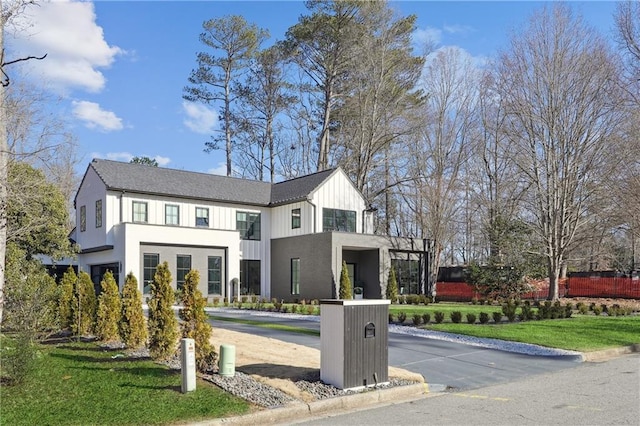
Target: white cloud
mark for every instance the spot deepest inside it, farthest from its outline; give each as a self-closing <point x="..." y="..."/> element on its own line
<point x="457" y="29"/>
<point x="95" y="117"/>
<point x="427" y="36"/>
<point x="74" y="43"/>
<point x="199" y="118"/>
<point x="162" y="161"/>
<point x="220" y="170"/>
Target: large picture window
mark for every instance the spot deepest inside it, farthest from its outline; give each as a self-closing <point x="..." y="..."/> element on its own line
<point x="214" y="275"/>
<point x="183" y="266"/>
<point x="202" y="216"/>
<point x="140" y="212"/>
<point x="98" y="213"/>
<point x="338" y="220"/>
<point x="250" y="277"/>
<point x="249" y="225"/>
<point x="150" y="263"/>
<point x="295" y="276"/>
<point x="171" y="214"/>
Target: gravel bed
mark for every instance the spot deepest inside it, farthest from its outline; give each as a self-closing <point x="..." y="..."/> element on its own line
<point x="246" y="387"/>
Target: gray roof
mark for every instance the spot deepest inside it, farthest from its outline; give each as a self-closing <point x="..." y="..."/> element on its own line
<point x="152" y="180"/>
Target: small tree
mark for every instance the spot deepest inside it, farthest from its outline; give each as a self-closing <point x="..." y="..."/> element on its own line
<point x="133" y="329"/>
<point x="84" y="305"/>
<point x="345" y="283"/>
<point x="65" y="299"/>
<point x="109" y="306"/>
<point x="163" y="325"/>
<point x="392" y="286"/>
<point x="194" y="322"/>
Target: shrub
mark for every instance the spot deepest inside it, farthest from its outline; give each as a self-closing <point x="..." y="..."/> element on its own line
<point x="402" y="317"/>
<point x="65" y="299"/>
<point x="194" y="322"/>
<point x="109" y="309"/>
<point x="424" y="299"/>
<point x="277" y="306"/>
<point x="284" y="309"/>
<point x="163" y="325"/>
<point x="605" y="308"/>
<point x="417" y="319"/>
<point x="392" y="286"/>
<point x="18" y="358"/>
<point x="346" y="292"/>
<point x="438" y="317"/>
<point x="471" y="318"/>
<point x="311" y="309"/>
<point x="456" y="317"/>
<point x="597" y="310"/>
<point x="484" y="317"/>
<point x="84" y="305"/>
<point x="497" y="317"/>
<point x="294" y="308"/>
<point x="568" y="310"/>
<point x="582" y="308"/>
<point x="474" y="300"/>
<point x="426" y="318"/>
<point x="526" y="312"/>
<point x="133" y="329"/>
<point x="509" y="309"/>
<point x="390" y="318"/>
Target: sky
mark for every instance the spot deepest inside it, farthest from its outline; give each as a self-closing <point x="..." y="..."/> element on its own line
<point x="119" y="67"/>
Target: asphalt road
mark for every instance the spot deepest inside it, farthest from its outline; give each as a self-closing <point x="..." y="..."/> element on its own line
<point x="444" y="365"/>
<point x="606" y="393"/>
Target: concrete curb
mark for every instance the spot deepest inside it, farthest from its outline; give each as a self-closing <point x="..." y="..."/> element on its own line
<point x="607" y="354"/>
<point x="300" y="410"/>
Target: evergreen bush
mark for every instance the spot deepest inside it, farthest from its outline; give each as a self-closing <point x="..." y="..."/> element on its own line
<point x="194" y="322"/>
<point x="84" y="305"/>
<point x="65" y="299"/>
<point x="471" y="318"/>
<point x="402" y="317"/>
<point x="345" y="283"/>
<point x="497" y="317"/>
<point x="426" y="318"/>
<point x="484" y="318"/>
<point x="109" y="309"/>
<point x="417" y="319"/>
<point x="438" y="316"/>
<point x="456" y="317"/>
<point x="392" y="286"/>
<point x="162" y="323"/>
<point x="133" y="328"/>
<point x="509" y="309"/>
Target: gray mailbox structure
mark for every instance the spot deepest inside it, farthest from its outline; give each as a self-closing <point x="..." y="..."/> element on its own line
<point x="354" y="342"/>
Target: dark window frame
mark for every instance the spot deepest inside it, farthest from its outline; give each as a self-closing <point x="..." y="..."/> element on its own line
<point x="249" y="226"/>
<point x="169" y="216"/>
<point x="338" y="220"/>
<point x="295" y="276"/>
<point x="148" y="271"/>
<point x="99" y="213"/>
<point x="83" y="218"/>
<point x="181" y="269"/>
<point x="214" y="275"/>
<point x="202" y="220"/>
<point x="295" y="218"/>
<point x="136" y="214"/>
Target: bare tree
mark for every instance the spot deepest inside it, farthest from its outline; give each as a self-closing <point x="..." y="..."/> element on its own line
<point x="559" y="83"/>
<point x="440" y="152"/>
<point x="236" y="41"/>
<point x="627" y="19"/>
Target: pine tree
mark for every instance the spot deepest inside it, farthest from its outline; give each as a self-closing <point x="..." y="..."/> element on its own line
<point x="345" y="283"/>
<point x="194" y="322"/>
<point x="65" y="299"/>
<point x="109" y="307"/>
<point x="84" y="305"/>
<point x="392" y="286"/>
<point x="133" y="329"/>
<point x="163" y="325"/>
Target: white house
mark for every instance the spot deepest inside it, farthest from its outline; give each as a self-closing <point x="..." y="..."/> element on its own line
<point x="285" y="240"/>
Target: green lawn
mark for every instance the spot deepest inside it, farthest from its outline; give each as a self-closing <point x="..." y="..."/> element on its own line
<point x="447" y="308"/>
<point x="82" y="384"/>
<point x="582" y="333"/>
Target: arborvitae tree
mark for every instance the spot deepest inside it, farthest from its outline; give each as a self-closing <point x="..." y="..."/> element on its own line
<point x="346" y="291"/>
<point x="392" y="286"/>
<point x="65" y="299"/>
<point x="84" y="305"/>
<point x="163" y="325"/>
<point x="109" y="307"/>
<point x="133" y="329"/>
<point x="194" y="322"/>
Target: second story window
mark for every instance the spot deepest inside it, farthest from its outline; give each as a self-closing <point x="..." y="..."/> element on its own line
<point x="295" y="218"/>
<point x="171" y="214"/>
<point x="140" y="212"/>
<point x="83" y="218"/>
<point x="202" y="216"/>
<point x="249" y="225"/>
<point x="98" y="213"/>
<point x="338" y="220"/>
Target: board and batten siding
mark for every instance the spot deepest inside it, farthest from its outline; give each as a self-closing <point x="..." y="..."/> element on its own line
<point x="338" y="192"/>
<point x="281" y="220"/>
<point x="92" y="189"/>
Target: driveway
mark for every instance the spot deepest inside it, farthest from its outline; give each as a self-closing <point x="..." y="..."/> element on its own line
<point x="445" y="365"/>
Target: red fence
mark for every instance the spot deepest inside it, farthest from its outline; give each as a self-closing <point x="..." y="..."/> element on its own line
<point x="628" y="288"/>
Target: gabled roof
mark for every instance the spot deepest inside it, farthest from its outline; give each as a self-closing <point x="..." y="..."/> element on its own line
<point x="150" y="180"/>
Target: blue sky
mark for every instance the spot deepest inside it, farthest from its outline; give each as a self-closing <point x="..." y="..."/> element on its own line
<point x="120" y="66"/>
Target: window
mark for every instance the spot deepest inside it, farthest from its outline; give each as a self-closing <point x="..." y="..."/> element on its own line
<point x="140" y="212"/>
<point x="250" y="277"/>
<point x="83" y="218"/>
<point x="249" y="225"/>
<point x="295" y="218"/>
<point x="338" y="220"/>
<point x="214" y="275"/>
<point x="149" y="264"/>
<point x="98" y="213"/>
<point x="295" y="276"/>
<point x="202" y="216"/>
<point x="183" y="266"/>
<point x="171" y="214"/>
